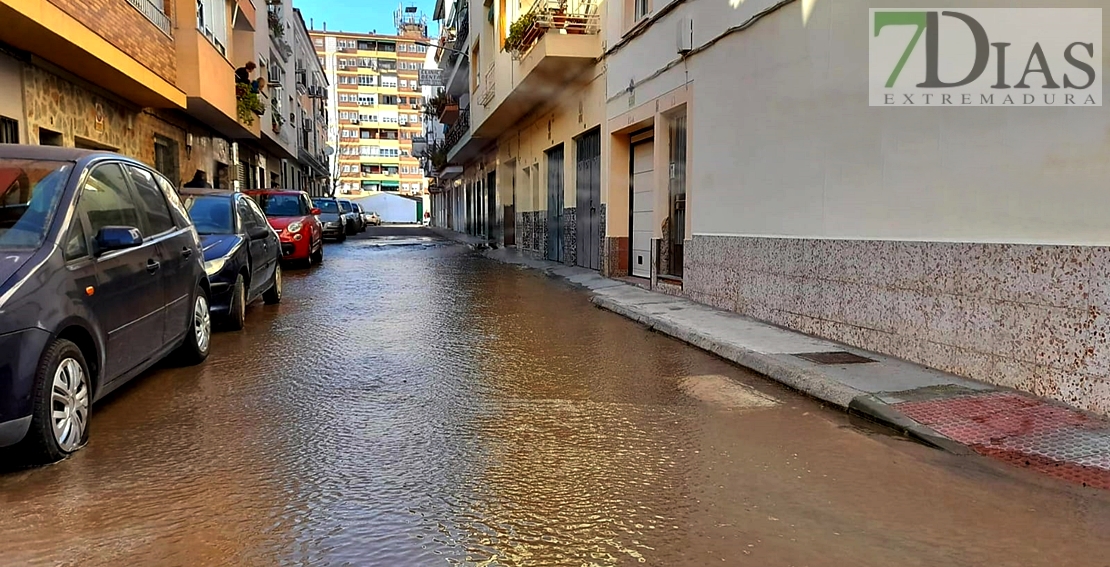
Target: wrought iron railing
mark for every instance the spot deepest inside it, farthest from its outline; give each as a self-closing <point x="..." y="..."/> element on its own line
<point x="462" y="33"/>
<point x="458" y="129"/>
<point x="154" y="14"/>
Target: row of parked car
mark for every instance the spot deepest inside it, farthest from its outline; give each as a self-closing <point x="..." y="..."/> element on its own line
<point x="106" y="268"/>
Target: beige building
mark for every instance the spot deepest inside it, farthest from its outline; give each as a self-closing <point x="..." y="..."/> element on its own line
<point x="526" y="126"/>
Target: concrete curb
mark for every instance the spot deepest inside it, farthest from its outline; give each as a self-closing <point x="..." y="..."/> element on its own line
<point x="876" y="410"/>
<point x="795" y="376"/>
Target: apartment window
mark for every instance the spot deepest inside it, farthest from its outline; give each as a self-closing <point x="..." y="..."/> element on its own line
<point x="366" y="80"/>
<point x="9" y="131"/>
<point x="475" y="72"/>
<point x="319" y="42"/>
<point x="212" y="22"/>
<point x="640" y="9"/>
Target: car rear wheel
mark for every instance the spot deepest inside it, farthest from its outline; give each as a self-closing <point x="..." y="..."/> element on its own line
<point x="199" y="337"/>
<point x="237" y="311"/>
<point x="273" y="295"/>
<point x="62" y="403"/>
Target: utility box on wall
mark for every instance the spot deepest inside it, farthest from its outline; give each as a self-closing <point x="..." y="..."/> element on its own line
<point x="685" y="42"/>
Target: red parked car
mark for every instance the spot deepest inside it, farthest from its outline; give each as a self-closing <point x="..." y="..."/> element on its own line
<point x="292" y="215"/>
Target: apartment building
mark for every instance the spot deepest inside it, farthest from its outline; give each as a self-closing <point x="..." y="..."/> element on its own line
<point x="375" y="106"/>
<point x="152" y="79"/>
<point x="310" y="113"/>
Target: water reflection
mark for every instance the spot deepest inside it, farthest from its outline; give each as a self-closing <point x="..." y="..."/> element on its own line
<point x="422" y="406"/>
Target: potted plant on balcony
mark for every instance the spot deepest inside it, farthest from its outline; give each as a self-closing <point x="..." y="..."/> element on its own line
<point x="247" y="104"/>
<point x="434" y="107"/>
<point x="519" y="31"/>
<point x="436" y="154"/>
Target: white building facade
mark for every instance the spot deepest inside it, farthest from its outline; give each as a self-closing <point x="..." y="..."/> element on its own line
<point x="749" y="172"/>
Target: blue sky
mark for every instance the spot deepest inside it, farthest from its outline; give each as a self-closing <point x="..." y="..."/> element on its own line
<point x="361" y="16"/>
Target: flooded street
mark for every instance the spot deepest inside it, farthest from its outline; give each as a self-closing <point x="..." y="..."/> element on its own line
<point x="410" y="403"/>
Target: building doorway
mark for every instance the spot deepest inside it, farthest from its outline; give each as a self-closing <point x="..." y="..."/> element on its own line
<point x="510" y="208"/>
<point x="555" y="204"/>
<point x="642" y="209"/>
<point x="491" y="205"/>
<point x="588" y="202"/>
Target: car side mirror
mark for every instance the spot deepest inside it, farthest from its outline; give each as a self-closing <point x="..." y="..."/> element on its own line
<point x="259" y="232"/>
<point x="315" y="211"/>
<point x="117" y="238"/>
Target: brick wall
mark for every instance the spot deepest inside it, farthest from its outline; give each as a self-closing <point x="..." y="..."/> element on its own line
<point x="123" y="26"/>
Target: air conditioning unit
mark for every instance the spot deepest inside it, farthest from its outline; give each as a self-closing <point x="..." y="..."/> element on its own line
<point x="307" y="124"/>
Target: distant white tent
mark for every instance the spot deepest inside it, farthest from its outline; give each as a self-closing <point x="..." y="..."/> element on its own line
<point x="393" y="208"/>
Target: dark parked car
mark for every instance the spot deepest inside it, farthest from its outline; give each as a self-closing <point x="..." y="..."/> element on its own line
<point x="291" y="214"/>
<point x="332" y="219"/>
<point x="353" y="220"/>
<point x="242" y="252"/>
<point x="101" y="275"/>
<point x="360" y="217"/>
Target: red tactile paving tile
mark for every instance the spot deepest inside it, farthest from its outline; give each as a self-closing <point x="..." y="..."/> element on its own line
<point x="1066" y="471"/>
<point x="1024" y="431"/>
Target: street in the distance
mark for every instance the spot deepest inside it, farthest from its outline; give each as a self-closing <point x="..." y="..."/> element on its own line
<point x="390" y="411"/>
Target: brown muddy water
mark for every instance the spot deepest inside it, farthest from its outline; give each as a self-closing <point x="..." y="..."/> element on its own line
<point x="419" y="405"/>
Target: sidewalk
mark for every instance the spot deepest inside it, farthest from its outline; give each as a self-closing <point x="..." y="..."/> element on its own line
<point x="942" y="410"/>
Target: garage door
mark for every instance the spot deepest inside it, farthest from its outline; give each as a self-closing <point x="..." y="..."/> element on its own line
<point x="643" y="183"/>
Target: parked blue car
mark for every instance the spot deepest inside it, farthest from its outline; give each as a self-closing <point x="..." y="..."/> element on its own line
<point x="101" y="276"/>
<point x="242" y="253"/>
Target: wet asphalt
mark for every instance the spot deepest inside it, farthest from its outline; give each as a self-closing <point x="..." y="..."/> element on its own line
<point x="411" y="403"/>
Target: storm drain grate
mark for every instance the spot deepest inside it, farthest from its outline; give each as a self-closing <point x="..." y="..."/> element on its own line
<point x="834" y="357"/>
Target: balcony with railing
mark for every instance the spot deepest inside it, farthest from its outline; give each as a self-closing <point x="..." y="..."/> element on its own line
<point x="553" y="17"/>
<point x="462" y="33"/>
<point x="458" y="130"/>
<point x="553" y="43"/>
<point x="156" y="15"/>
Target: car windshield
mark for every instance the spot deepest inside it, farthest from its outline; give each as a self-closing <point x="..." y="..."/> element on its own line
<point x="326" y="206"/>
<point x="210" y="215"/>
<point x="29" y="194"/>
<point x="345" y="206"/>
<point x="280" y="205"/>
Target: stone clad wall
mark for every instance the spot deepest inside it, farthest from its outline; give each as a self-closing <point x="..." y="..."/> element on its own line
<point x="1031" y="317"/>
<point x="58" y="105"/>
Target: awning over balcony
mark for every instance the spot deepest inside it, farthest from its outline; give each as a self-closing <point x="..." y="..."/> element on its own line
<point x="555" y="61"/>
